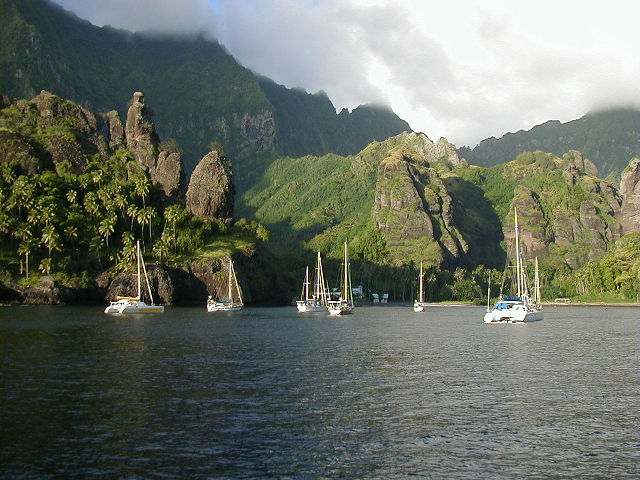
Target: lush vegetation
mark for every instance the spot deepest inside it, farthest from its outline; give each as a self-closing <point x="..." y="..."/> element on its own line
<point x="609" y="138"/>
<point x="72" y="206"/>
<point x="73" y="223"/>
<point x="317" y="203"/>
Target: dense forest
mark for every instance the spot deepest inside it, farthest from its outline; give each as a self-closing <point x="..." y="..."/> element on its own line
<point x="75" y="194"/>
<point x="74" y="202"/>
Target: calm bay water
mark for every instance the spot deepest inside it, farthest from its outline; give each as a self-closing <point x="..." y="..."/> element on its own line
<point x="271" y="393"/>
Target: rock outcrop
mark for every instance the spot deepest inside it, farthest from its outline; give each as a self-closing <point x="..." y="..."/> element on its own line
<point x="210" y="191"/>
<point x="414" y="209"/>
<point x="259" y="132"/>
<point x="116" y="129"/>
<point x="572" y="207"/>
<point x="533" y="226"/>
<point x="441" y="152"/>
<point x="142" y="140"/>
<point x="575" y="159"/>
<point x="169" y="175"/>
<point x="14" y="147"/>
<point x="399" y="208"/>
<point x="165" y="168"/>
<point x="630" y="192"/>
<point x="46" y="112"/>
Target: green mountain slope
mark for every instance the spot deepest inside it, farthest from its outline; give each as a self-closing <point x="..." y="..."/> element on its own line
<point x="308" y="124"/>
<point x="608" y="138"/>
<point x="398" y="202"/>
<point x="199" y="92"/>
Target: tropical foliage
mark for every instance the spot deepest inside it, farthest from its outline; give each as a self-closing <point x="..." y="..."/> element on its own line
<point x="72" y="220"/>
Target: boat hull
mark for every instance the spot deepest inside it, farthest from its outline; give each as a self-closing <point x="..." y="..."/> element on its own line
<point x="213" y="306"/>
<point x="519" y="316"/>
<point x="340" y="309"/>
<point x="130" y="308"/>
<point x="304" y="307"/>
<point x="419" y="307"/>
<point x="223" y="307"/>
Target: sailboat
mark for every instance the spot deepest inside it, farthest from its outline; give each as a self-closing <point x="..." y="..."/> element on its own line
<point x="521" y="308"/>
<point x="230" y="303"/>
<point x="317" y="302"/>
<point x="419" y="304"/>
<point x="344" y="304"/>
<point x="135" y="304"/>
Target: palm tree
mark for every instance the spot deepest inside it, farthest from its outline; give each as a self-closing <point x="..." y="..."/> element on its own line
<point x="147" y="215"/>
<point x="173" y="215"/>
<point x="142" y="187"/>
<point x="45" y="265"/>
<point x="133" y="213"/>
<point x="25" y="248"/>
<point x="161" y="249"/>
<point x="107" y="227"/>
<point x="51" y="239"/>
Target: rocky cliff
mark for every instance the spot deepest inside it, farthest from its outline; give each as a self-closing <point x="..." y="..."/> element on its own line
<point x="563" y="207"/>
<point x="164" y="168"/>
<point x="75" y="187"/>
<point x="630" y="193"/>
<point x="413" y="209"/>
<point x="210" y="192"/>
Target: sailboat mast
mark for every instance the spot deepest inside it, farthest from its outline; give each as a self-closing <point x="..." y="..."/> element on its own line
<point x="322" y="290"/>
<point x="538" y="294"/>
<point x="489" y="293"/>
<point x="518" y="262"/>
<point x="421" y="295"/>
<point x="229" y="282"/>
<point x="316" y="279"/>
<point x="306" y="284"/>
<point x="138" y="260"/>
<point x="146" y="278"/>
<point x="346" y="273"/>
<point x="235" y="280"/>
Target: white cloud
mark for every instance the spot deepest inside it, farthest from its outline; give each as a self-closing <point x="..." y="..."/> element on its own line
<point x="171" y="16"/>
<point x="461" y="69"/>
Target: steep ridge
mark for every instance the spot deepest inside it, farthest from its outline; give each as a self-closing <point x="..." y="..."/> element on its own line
<point x="199" y="92"/>
<point x="416" y="203"/>
<point x="609" y="138"/>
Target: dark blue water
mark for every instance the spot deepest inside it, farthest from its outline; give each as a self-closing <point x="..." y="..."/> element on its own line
<point x="270" y="393"/>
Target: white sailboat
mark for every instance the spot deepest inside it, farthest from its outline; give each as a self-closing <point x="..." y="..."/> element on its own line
<point x="344" y="304"/>
<point x="521" y="308"/>
<point x="230" y="303"/>
<point x="317" y="301"/>
<point x="419" y="304"/>
<point x="135" y="304"/>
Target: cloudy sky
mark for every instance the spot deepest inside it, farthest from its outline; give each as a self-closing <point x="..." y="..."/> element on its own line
<point x="462" y="69"/>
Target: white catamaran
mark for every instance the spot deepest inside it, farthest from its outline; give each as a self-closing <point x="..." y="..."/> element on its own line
<point x="344" y="304"/>
<point x="522" y="307"/>
<point x="135" y="304"/>
<point x="317" y="301"/>
<point x="231" y="302"/>
<point x="419" y="304"/>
